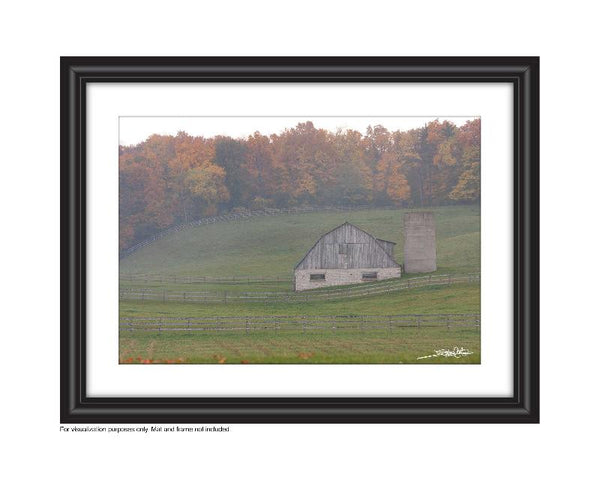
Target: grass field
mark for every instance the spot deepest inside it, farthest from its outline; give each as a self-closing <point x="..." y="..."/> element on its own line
<point x="270" y="247"/>
<point x="405" y="346"/>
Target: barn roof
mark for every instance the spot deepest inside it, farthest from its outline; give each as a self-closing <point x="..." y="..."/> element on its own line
<point x="365" y="251"/>
<point x="382" y="240"/>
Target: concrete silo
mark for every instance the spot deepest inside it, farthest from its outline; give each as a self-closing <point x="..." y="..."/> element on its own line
<point x="419" y="242"/>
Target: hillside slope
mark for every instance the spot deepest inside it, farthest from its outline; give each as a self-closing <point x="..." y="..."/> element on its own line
<point x="271" y="246"/>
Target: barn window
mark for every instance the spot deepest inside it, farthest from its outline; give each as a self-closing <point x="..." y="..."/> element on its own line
<point x="317" y="277"/>
<point x="369" y="276"/>
<point x="343" y="248"/>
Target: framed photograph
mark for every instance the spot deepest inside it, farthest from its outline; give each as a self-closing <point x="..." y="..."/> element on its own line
<point x="299" y="239"/>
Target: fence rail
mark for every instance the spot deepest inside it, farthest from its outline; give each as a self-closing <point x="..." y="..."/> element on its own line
<point x="267" y="212"/>
<point x="190" y="279"/>
<point x="289" y="297"/>
<point x="296" y="323"/>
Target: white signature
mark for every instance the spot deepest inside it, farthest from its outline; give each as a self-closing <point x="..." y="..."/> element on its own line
<point x="456" y="352"/>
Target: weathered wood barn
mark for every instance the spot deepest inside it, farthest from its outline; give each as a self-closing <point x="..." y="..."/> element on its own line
<point x="344" y="256"/>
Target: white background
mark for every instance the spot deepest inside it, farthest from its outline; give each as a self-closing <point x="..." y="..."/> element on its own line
<point x="493" y="102"/>
<point x="35" y="34"/>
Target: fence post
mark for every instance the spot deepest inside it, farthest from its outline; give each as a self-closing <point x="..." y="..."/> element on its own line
<point x="247" y="326"/>
<point x="188" y="327"/>
<point x="448" y="322"/>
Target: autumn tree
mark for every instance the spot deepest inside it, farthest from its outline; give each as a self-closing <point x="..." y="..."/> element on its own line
<point x="192" y="154"/>
<point x="377" y="142"/>
<point x="230" y="155"/>
<point x="351" y="180"/>
<point x="303" y="154"/>
<point x="154" y="187"/>
<point x="468" y="139"/>
<point x="262" y="174"/>
<point x="145" y="189"/>
<point x="206" y="187"/>
<point x="167" y="180"/>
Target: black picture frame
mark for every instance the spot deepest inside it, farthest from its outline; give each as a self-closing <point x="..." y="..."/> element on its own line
<point x="77" y="407"/>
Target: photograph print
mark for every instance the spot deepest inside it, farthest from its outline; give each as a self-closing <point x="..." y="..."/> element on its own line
<point x="299" y="240"/>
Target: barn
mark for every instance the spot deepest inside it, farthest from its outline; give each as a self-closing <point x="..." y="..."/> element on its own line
<point x="344" y="256"/>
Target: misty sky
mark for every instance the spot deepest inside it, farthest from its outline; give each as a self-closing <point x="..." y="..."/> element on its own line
<point x="133" y="130"/>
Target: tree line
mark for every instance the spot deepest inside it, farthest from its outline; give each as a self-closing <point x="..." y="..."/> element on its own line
<point x="167" y="179"/>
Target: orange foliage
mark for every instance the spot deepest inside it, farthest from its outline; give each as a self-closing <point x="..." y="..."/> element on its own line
<point x="167" y="180"/>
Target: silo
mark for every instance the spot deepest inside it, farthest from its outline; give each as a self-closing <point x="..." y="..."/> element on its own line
<point x="419" y="242"/>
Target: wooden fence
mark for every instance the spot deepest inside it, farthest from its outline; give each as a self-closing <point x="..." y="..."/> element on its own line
<point x="164" y="278"/>
<point x="249" y="215"/>
<point x="297" y="323"/>
<point x="351" y="291"/>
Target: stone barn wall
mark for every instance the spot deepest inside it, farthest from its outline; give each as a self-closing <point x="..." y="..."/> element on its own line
<point x="340" y="277"/>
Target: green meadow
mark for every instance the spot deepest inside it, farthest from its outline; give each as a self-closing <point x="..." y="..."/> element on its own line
<point x="270" y="247"/>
